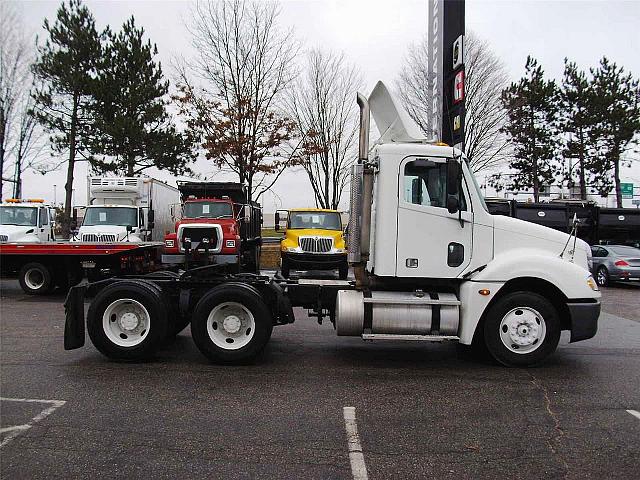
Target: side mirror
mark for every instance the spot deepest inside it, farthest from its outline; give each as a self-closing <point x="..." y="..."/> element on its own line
<point x="277" y="222"/>
<point x="247" y="213"/>
<point x="150" y="217"/>
<point x="129" y="228"/>
<point x="453" y="205"/>
<point x="453" y="176"/>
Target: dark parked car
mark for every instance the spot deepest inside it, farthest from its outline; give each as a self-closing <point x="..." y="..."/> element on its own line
<point x="614" y="263"/>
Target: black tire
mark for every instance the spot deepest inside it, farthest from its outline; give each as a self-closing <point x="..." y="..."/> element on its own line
<point x="150" y="296"/>
<point x="251" y="300"/>
<point x="343" y="271"/>
<point x="602" y="276"/>
<point x="285" y="269"/>
<point x="530" y="305"/>
<point x="36" y="279"/>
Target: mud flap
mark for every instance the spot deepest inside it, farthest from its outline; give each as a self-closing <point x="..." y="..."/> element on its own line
<point x="74" y="321"/>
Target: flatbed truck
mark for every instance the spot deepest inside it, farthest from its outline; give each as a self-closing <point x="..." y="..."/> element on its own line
<point x="41" y="267"/>
<point x="430" y="264"/>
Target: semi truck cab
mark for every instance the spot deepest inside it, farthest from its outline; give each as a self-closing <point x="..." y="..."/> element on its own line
<point x="115" y="223"/>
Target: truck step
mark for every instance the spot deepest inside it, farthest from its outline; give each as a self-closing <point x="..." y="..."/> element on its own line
<point x="409" y="338"/>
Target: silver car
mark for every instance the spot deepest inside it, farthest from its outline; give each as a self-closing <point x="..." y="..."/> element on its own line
<point x="615" y="263"/>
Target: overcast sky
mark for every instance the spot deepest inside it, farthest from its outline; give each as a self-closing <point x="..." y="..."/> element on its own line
<point x="375" y="34"/>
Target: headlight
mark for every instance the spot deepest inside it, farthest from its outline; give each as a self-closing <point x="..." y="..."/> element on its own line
<point x="292" y="249"/>
<point x="230" y="243"/>
<point x="169" y="243"/>
<point x="339" y="250"/>
<point x="592" y="284"/>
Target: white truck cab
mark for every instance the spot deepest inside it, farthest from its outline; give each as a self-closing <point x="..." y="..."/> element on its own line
<point x="431" y="262"/>
<point x="28" y="221"/>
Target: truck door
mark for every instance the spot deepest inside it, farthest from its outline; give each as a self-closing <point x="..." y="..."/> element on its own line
<point x="44" y="230"/>
<point x="431" y="243"/>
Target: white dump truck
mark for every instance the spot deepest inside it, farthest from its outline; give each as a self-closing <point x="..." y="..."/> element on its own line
<point x="127" y="209"/>
<point x="430" y="263"/>
<point x="26" y="221"/>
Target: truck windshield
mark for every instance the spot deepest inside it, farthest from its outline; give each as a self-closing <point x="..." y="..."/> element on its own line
<point x="19" y="216"/>
<point x="208" y="210"/>
<point x="319" y="220"/>
<point x="121" y="216"/>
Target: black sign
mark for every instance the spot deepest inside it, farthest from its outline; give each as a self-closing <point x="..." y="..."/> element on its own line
<point x="453" y="84"/>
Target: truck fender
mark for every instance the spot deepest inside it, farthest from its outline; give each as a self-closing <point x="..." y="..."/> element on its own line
<point x="570" y="279"/>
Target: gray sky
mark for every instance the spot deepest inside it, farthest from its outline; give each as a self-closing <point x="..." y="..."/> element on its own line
<point x="375" y="34"/>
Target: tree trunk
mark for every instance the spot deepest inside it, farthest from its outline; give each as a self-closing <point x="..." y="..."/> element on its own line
<point x="2" y="153"/>
<point x="616" y="174"/>
<point x="583" y="182"/>
<point x="68" y="187"/>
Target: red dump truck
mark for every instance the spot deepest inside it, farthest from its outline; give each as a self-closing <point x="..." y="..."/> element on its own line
<point x="217" y="224"/>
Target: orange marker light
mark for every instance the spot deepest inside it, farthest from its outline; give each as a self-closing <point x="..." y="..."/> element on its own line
<point x="484" y="291"/>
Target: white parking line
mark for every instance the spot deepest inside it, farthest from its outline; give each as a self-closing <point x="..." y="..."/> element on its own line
<point x="15" y="430"/>
<point x="356" y="457"/>
<point x="634" y="413"/>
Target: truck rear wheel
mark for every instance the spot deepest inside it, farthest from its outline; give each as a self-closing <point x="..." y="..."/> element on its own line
<point x="522" y="329"/>
<point x="128" y="320"/>
<point x="231" y="324"/>
<point x="36" y="279"/>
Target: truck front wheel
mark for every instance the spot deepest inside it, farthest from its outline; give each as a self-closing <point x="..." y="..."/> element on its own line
<point x="36" y="279"/>
<point x="521" y="329"/>
<point x="285" y="268"/>
<point x="128" y="320"/>
<point x="231" y="324"/>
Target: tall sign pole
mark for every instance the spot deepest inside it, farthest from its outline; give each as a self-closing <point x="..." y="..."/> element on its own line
<point x="446" y="71"/>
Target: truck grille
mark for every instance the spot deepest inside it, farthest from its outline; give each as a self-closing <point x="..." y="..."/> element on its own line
<point x="92" y="237"/>
<point x="197" y="234"/>
<point x="316" y="244"/>
<point x="4" y="238"/>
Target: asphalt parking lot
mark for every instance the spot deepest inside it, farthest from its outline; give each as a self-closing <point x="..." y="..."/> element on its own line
<point x="420" y="411"/>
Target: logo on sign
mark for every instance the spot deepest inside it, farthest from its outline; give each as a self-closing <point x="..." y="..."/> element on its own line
<point x="458" y="52"/>
<point x="458" y="87"/>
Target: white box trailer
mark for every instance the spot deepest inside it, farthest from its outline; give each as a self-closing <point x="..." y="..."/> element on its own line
<point x="127" y="209"/>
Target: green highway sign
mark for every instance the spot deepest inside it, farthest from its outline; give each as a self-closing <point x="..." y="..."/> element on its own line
<point x="627" y="190"/>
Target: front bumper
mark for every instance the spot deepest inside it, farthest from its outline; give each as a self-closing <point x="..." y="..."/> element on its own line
<point x="584" y="319"/>
<point x="212" y="258"/>
<point x="314" y="261"/>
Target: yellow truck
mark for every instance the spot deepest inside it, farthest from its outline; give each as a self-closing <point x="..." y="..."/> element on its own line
<point x="314" y="240"/>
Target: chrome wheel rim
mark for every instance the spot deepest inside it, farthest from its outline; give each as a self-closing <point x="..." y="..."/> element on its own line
<point x="602" y="277"/>
<point x="231" y="325"/>
<point x="126" y="322"/>
<point x="34" y="278"/>
<point x="522" y="330"/>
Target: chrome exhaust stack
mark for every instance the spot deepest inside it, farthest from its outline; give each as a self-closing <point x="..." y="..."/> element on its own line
<point x="361" y="200"/>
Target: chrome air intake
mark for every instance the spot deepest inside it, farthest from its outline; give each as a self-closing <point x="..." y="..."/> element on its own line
<point x="355" y="214"/>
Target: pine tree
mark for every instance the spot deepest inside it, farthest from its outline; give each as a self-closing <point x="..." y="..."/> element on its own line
<point x="577" y="123"/>
<point x="66" y="66"/>
<point x="617" y="117"/>
<point x="532" y="108"/>
<point x="133" y="130"/>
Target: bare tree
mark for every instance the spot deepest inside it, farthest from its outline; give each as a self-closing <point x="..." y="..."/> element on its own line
<point x="485" y="77"/>
<point x="14" y="69"/>
<point x="20" y="134"/>
<point x="230" y="93"/>
<point x="320" y="103"/>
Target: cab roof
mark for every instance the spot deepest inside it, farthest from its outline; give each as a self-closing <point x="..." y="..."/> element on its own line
<point x="313" y="210"/>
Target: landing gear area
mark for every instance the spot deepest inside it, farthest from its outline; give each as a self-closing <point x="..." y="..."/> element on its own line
<point x="308" y="396"/>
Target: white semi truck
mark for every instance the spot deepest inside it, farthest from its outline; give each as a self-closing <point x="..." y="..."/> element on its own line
<point x="430" y="264"/>
<point x="127" y="209"/>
